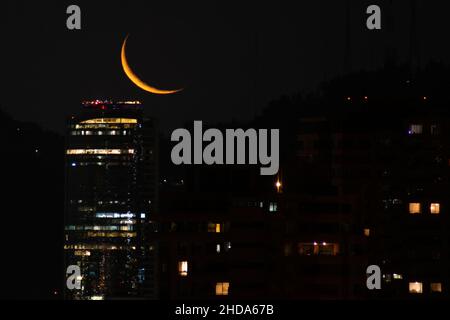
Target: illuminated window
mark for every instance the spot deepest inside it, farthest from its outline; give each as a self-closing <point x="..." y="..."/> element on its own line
<point x="214" y="227"/>
<point x="415" y="287"/>
<point x="414" y="208"/>
<point x="222" y="288"/>
<point x="273" y="207"/>
<point x="183" y="268"/>
<point x="367" y="232"/>
<point x="435" y="208"/>
<point x="436" y="287"/>
<point x="110" y="120"/>
<point x="325" y="249"/>
<point x="397" y="276"/>
<point x="218" y="248"/>
<point x="99" y="151"/>
<point x="111" y="234"/>
<point x="415" y="129"/>
<point x="82" y="253"/>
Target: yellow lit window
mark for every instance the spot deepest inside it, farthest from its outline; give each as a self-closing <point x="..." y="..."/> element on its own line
<point x="222" y="288"/>
<point x="436" y="287"/>
<point x="82" y="253"/>
<point x="435" y="208"/>
<point x="183" y="268"/>
<point x="414" y="208"/>
<point x="214" y="227"/>
<point x="415" y="287"/>
<point x="110" y="120"/>
<point x="367" y="232"/>
<point x="315" y="248"/>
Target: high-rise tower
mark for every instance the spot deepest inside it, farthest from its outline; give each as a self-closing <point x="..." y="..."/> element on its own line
<point x="111" y="193"/>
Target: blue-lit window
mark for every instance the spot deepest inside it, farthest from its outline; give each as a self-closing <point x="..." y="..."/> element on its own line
<point x="273" y="207"/>
<point x="141" y="275"/>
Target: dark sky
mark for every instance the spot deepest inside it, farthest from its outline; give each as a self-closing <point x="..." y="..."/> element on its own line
<point x="231" y="58"/>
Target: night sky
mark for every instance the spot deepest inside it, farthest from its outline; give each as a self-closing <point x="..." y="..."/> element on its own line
<point x="230" y="58"/>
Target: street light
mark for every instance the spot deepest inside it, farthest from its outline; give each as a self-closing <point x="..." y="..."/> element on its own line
<point x="278" y="186"/>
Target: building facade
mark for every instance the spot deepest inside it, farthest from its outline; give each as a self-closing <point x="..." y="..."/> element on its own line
<point x="111" y="194"/>
<point x="411" y="229"/>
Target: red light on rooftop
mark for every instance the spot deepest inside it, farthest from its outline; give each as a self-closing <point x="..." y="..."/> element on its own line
<point x="365" y="97"/>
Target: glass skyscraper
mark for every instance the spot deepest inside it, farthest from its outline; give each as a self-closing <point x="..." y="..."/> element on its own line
<point x="111" y="193"/>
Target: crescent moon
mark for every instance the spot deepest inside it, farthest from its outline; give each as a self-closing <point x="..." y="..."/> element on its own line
<point x="135" y="79"/>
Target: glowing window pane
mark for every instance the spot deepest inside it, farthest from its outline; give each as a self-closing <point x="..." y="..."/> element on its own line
<point x="273" y="207"/>
<point x="414" y="208"/>
<point x="415" y="287"/>
<point x="110" y="120"/>
<point x="435" y="208"/>
<point x="436" y="287"/>
<point x="222" y="288"/>
<point x="214" y="227"/>
<point x="415" y="129"/>
<point x="183" y="268"/>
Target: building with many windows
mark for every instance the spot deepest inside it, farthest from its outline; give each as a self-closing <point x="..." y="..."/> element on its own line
<point x="111" y="194"/>
<point x="411" y="229"/>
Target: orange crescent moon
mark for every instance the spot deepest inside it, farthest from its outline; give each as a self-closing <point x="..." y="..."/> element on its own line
<point x="135" y="79"/>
